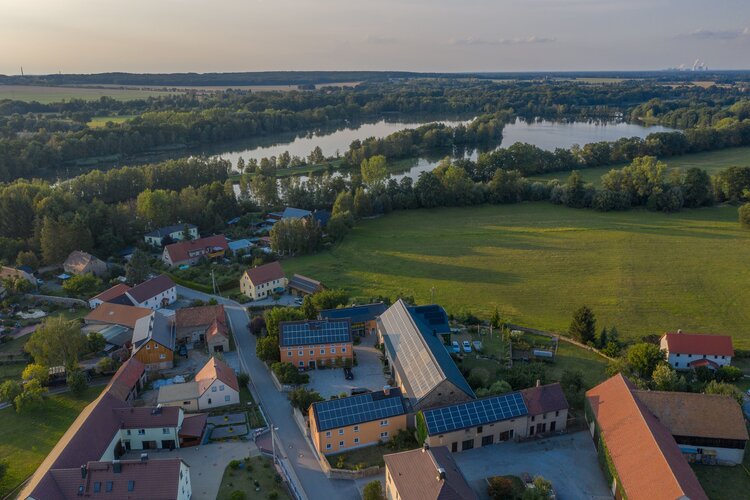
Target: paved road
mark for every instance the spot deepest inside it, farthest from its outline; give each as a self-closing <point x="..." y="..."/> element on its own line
<point x="278" y="411"/>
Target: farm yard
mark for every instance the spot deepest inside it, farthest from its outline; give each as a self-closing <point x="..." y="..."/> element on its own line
<point x="640" y="271"/>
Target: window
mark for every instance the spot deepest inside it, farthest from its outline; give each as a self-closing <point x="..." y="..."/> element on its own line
<point x="141" y="432"/>
<point x="384" y="434"/>
<point x="533" y="418"/>
<point x="356" y="428"/>
<point x="328" y="434"/>
<point x="108" y="486"/>
<point x="165" y="430"/>
<point x="289" y="353"/>
<point x="156" y="346"/>
<point x="341" y="444"/>
<point x="677" y="355"/>
<point x="148" y="347"/>
<point x="128" y="432"/>
<point x="677" y="364"/>
<point x="214" y="389"/>
<point x="557" y="413"/>
<point x="312" y="353"/>
<point x="162" y="356"/>
<point x="356" y="440"/>
<point x="97" y="487"/>
<point x="131" y="485"/>
<point x="333" y="350"/>
<point x="383" y="423"/>
<point x="322" y="351"/>
<point x="690" y="355"/>
<point x="186" y="403"/>
<point x="343" y="349"/>
<point x="723" y="357"/>
<point x="328" y="446"/>
<point x="302" y="363"/>
<point x="488" y="440"/>
<point x="300" y="353"/>
<point x="227" y="398"/>
<point x="454" y="447"/>
<point x="341" y="432"/>
<point x="467" y="445"/>
<point x="221" y="387"/>
<point x="479" y="429"/>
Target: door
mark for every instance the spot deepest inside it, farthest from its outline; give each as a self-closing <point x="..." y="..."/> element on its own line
<point x="552" y="426"/>
<point x="454" y="447"/>
<point x="311" y="365"/>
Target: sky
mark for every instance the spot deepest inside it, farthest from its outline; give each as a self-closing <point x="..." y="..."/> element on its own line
<point x="150" y="36"/>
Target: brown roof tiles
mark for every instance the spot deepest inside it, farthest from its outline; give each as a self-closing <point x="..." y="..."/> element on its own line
<point x="265" y="273"/>
<point x="695" y="343"/>
<point x="416" y="475"/>
<point x="117" y="314"/>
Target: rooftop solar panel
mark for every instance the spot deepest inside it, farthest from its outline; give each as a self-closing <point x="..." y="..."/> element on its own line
<point x="358" y="409"/>
<point x="315" y="332"/>
<point x="474" y="413"/>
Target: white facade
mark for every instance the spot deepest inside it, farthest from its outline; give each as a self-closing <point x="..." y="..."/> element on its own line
<point x="681" y="360"/>
<point x="261" y="290"/>
<point x="166" y="297"/>
<point x="217" y="395"/>
<point x="174" y="235"/>
<point x="184" y="488"/>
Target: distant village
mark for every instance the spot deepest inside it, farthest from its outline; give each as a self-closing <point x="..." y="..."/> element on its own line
<point x="382" y="395"/>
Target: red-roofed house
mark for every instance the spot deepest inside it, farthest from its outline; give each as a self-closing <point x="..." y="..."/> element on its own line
<point x="262" y="281"/>
<point x="114" y="294"/>
<point x="155" y="293"/>
<point x="203" y="324"/>
<point x="189" y="252"/>
<point x="646" y="462"/>
<point x="215" y="385"/>
<point x="692" y="350"/>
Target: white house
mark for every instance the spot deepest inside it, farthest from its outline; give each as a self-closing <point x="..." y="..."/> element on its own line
<point x="215" y="385"/>
<point x="687" y="351"/>
<point x="175" y="233"/>
<point x="154" y="294"/>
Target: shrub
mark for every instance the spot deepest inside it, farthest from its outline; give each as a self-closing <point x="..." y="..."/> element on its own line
<point x="500" y="488"/>
<point x="77" y="381"/>
<point x="234" y="464"/>
<point x="728" y="374"/>
<point x="288" y="373"/>
<point x="373" y="491"/>
<point x="237" y="495"/>
<point x="243" y="379"/>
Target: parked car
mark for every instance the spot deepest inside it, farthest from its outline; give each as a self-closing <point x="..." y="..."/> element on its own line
<point x="348" y="375"/>
<point x="477" y="345"/>
<point x="467" y="346"/>
<point x="456" y="347"/>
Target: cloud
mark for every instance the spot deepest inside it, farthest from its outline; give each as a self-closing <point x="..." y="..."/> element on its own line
<point x="380" y="40"/>
<point x="502" y="41"/>
<point x="704" y="34"/>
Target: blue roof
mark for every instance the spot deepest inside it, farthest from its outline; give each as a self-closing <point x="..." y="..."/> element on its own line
<point x="295" y="213"/>
<point x="296" y="333"/>
<point x="354" y="410"/>
<point x="239" y="245"/>
<point x="357" y="314"/>
<point x="473" y="413"/>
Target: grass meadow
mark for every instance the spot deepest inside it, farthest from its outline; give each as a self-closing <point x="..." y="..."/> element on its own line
<point x="46" y="95"/>
<point x="640" y="271"/>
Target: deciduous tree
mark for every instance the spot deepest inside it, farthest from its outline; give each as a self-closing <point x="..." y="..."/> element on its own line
<point x="57" y="342"/>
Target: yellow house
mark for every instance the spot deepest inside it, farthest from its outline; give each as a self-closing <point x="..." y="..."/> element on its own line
<point x="262" y="281"/>
<point x="343" y="424"/>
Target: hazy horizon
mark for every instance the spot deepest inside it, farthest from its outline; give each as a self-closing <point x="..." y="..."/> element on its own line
<point x="171" y="36"/>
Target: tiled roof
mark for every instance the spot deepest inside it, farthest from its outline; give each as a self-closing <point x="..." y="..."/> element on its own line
<point x="416" y="475"/>
<point x="544" y="399"/>
<point x="166" y="231"/>
<point x="648" y="461"/>
<point x="217" y="329"/>
<point x="265" y="273"/>
<point x="696" y="343"/>
<point x="145" y="417"/>
<point x="695" y="414"/>
<point x="178" y="392"/>
<point x="151" y="288"/>
<point x="309" y="332"/>
<point x="216" y="369"/>
<point x="188" y="249"/>
<point x="357" y="314"/>
<point x="354" y="410"/>
<point x="415" y="346"/>
<point x="155" y="327"/>
<point x="126" y="378"/>
<point x="117" y="314"/>
<point x="194" y="425"/>
<point x="199" y="316"/>
<point x="305" y="284"/>
<point x="78" y="260"/>
<point x="112" y="293"/>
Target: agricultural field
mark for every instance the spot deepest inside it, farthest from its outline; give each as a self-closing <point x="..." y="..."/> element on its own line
<point x="712" y="162"/>
<point x="640" y="271"/>
<point x="46" y="95"/>
<point x="101" y="121"/>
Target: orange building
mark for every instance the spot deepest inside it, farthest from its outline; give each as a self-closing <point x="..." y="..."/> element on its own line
<point x="309" y="343"/>
<point x="343" y="424"/>
<point x="154" y="341"/>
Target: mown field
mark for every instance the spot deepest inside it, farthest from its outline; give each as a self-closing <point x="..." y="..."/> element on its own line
<point x="643" y="272"/>
<point x="712" y="162"/>
<point x="46" y="95"/>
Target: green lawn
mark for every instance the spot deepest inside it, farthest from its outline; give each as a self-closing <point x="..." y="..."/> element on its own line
<point x="724" y="483"/>
<point x="46" y="95"/>
<point x="256" y="469"/>
<point x="641" y="271"/>
<point x="25" y="439"/>
<point x="11" y="371"/>
<point x="712" y="162"/>
<point x="101" y="121"/>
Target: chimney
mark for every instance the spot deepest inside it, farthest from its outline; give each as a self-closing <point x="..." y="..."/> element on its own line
<point x="538" y="382"/>
<point x="144" y="457"/>
<point x="441" y="474"/>
<point x="425" y="447"/>
<point x="387" y="390"/>
<point x="116" y="466"/>
<point x="83" y="472"/>
<point x="679" y="331"/>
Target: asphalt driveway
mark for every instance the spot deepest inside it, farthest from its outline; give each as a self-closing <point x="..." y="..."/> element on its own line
<point x="569" y="461"/>
<point x="368" y="373"/>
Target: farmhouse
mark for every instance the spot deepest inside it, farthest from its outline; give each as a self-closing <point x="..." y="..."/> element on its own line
<point x="692" y="350"/>
<point x="429" y="473"/>
<point x="643" y="459"/>
<point x="204" y="324"/>
<point x="301" y="286"/>
<point x="13" y="273"/>
<point x="115" y="295"/>
<point x="343" y="424"/>
<point x="155" y="293"/>
<point x="79" y="262"/>
<point x="261" y="281"/>
<point x="363" y="318"/>
<point x="215" y="385"/>
<point x="190" y="252"/>
<point x="420" y="363"/>
<point x="483" y="422"/>
<point x="309" y="343"/>
<point x="154" y="342"/>
<point x="172" y="233"/>
<point x="116" y="314"/>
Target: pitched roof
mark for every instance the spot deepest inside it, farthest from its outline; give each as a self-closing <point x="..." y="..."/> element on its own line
<point x="148" y="418"/>
<point x="217" y="329"/>
<point x="78" y="260"/>
<point x="697" y="343"/>
<point x="126" y="378"/>
<point x="194" y="425"/>
<point x="157" y="479"/>
<point x="188" y="249"/>
<point x="112" y="293"/>
<point x="265" y="273"/>
<point x="215" y="369"/>
<point x="151" y="288"/>
<point x="411" y="337"/>
<point x="309" y="332"/>
<point x="357" y="314"/>
<point x="305" y="284"/>
<point x="199" y="316"/>
<point x="473" y="413"/>
<point x="167" y="230"/>
<point x="295" y="213"/>
<point x="354" y="410"/>
<point x="698" y="415"/>
<point x="239" y="244"/>
<point x="416" y="475"/>
<point x="155" y="327"/>
<point x="544" y="399"/>
<point x="117" y="314"/>
<point x="647" y="459"/>
<point x="178" y="392"/>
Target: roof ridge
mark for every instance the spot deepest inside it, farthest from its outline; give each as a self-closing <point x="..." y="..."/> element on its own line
<point x="422" y="339"/>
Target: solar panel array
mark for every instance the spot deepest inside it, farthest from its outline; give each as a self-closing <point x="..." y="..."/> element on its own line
<point x="420" y="368"/>
<point x="433" y="315"/>
<point x="474" y="413"/>
<point x="331" y="331"/>
<point x="356" y="410"/>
